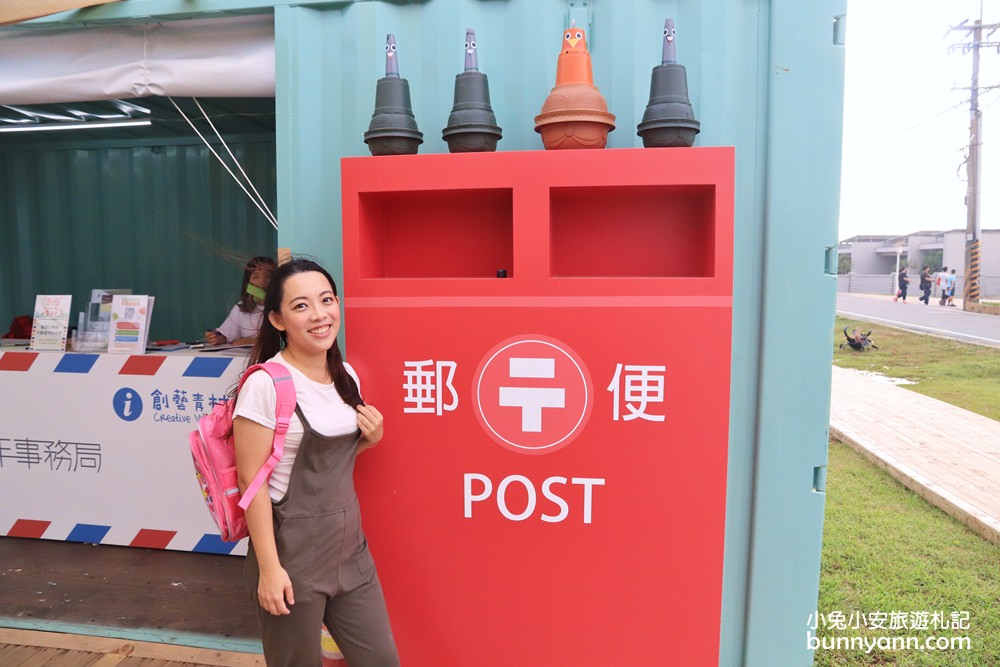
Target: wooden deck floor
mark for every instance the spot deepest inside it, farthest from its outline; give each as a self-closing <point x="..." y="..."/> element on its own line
<point x="948" y="455"/>
<point x="28" y="648"/>
<point x="70" y="604"/>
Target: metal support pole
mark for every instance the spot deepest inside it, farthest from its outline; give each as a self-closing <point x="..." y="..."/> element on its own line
<point x="970" y="292"/>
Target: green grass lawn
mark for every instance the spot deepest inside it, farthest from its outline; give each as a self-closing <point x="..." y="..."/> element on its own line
<point x="887" y="550"/>
<point x="958" y="373"/>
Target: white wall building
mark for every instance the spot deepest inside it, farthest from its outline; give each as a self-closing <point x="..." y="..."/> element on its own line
<point x="874" y="260"/>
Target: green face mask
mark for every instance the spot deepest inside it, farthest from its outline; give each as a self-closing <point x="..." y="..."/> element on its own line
<point x="255" y="291"/>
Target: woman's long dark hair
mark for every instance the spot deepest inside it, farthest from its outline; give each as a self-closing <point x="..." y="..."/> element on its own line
<point x="270" y="341"/>
<point x="247" y="303"/>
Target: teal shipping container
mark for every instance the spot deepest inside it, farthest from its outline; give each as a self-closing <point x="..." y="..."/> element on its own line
<point x="764" y="76"/>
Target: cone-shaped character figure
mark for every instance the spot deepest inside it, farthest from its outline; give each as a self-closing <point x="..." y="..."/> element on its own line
<point x="669" y="47"/>
<point x="393" y="129"/>
<point x="471" y="57"/>
<point x="575" y="114"/>
<point x="573" y="64"/>
<point x="669" y="119"/>
<point x="391" y="64"/>
<point x="472" y="127"/>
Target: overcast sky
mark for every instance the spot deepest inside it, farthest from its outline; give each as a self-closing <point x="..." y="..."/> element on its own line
<point x="906" y="123"/>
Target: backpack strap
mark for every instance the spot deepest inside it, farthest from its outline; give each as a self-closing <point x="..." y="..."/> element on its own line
<point x="284" y="407"/>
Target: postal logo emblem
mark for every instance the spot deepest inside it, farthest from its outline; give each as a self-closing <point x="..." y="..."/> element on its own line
<point x="532" y="394"/>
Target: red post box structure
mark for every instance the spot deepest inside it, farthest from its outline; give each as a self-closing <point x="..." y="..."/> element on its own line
<point x="548" y="335"/>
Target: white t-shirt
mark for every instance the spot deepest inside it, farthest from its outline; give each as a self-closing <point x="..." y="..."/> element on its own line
<point x="240" y="324"/>
<point x="320" y="403"/>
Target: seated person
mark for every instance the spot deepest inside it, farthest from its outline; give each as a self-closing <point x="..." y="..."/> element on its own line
<point x="240" y="328"/>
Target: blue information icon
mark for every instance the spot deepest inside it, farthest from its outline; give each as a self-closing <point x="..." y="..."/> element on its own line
<point x="127" y="404"/>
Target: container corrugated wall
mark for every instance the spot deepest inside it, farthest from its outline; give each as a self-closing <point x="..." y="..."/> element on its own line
<point x="162" y="220"/>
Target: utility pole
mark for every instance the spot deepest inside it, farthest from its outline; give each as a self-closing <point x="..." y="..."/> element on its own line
<point x="970" y="292"/>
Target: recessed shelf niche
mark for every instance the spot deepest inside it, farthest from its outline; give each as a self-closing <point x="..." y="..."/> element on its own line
<point x="436" y="233"/>
<point x="659" y="231"/>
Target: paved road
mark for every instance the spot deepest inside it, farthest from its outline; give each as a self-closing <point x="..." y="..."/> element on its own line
<point x="915" y="316"/>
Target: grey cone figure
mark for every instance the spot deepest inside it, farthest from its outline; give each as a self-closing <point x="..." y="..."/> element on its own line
<point x="472" y="127"/>
<point x="669" y="119"/>
<point x="393" y="129"/>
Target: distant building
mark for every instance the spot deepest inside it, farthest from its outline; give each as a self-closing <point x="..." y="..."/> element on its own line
<point x="873" y="259"/>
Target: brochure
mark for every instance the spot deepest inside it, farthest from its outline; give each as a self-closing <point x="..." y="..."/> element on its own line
<point x="130" y="317"/>
<point x="51" y="322"/>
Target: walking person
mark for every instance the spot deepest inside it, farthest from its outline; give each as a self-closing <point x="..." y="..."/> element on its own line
<point x="308" y="563"/>
<point x="902" y="280"/>
<point x="951" y="288"/>
<point x="926" y="285"/>
<point x="942" y="284"/>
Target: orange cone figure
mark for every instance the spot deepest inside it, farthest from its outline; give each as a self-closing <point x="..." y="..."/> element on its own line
<point x="575" y="114"/>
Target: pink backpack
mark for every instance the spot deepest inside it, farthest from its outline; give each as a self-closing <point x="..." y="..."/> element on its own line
<point x="215" y="455"/>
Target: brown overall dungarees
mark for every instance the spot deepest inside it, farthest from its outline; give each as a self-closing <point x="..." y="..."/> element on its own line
<point x="317" y="527"/>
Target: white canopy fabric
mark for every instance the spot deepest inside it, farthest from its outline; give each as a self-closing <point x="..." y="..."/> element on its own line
<point x="220" y="57"/>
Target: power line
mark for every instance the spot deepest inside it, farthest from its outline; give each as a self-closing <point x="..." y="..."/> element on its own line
<point x="976" y="26"/>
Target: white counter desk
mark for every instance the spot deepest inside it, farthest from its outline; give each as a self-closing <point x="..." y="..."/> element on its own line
<point x="94" y="447"/>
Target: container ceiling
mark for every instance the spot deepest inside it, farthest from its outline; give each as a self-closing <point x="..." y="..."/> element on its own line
<point x="91" y="121"/>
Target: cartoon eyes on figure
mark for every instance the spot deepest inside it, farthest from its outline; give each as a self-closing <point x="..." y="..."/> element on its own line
<point x="669" y="33"/>
<point x="579" y="35"/>
<point x="390" y="47"/>
<point x="470" y="45"/>
<point x="568" y="35"/>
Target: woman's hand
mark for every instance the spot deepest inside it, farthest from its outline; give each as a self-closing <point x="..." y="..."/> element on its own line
<point x="214" y="338"/>
<point x="370" y="423"/>
<point x="274" y="588"/>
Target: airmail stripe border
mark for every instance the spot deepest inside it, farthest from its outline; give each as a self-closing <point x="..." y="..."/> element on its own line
<point x="76" y="363"/>
<point x="28" y="528"/>
<point x="17" y="361"/>
<point x="89" y="533"/>
<point x="207" y="367"/>
<point x="152" y="539"/>
<point x="139" y="364"/>
<point x="146" y="538"/>
<point x="213" y="544"/>
<point x="142" y="365"/>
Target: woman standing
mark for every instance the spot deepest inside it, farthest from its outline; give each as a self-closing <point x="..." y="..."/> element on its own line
<point x="308" y="561"/>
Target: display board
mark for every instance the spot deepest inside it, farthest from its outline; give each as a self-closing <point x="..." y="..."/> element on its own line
<point x="548" y="336"/>
<point x="94" y="447"/>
